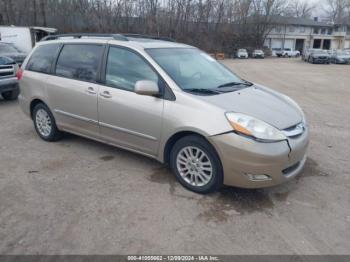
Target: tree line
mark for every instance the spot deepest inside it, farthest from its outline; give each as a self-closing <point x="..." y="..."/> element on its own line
<point x="213" y="25"/>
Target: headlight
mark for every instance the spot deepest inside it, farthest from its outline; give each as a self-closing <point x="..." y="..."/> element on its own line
<point x="254" y="128"/>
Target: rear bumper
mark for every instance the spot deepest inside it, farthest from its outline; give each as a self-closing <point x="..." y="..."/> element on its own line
<point x="242" y="157"/>
<point x="8" y="84"/>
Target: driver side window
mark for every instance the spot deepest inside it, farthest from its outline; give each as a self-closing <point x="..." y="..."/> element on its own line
<point x="125" y="68"/>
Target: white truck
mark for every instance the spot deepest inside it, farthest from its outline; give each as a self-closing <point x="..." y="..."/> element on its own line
<point x="24" y="38"/>
<point x="287" y="52"/>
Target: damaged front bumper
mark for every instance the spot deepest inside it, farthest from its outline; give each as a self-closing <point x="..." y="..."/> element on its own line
<point x="251" y="164"/>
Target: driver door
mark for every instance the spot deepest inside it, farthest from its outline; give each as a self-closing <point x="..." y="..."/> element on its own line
<point x="127" y="119"/>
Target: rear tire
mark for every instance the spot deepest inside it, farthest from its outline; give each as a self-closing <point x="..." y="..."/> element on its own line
<point x="196" y="164"/>
<point x="45" y="124"/>
<point x="10" y="95"/>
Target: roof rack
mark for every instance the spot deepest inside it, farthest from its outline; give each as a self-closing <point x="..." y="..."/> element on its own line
<point x="163" y="38"/>
<point x="80" y="35"/>
<point x="120" y="37"/>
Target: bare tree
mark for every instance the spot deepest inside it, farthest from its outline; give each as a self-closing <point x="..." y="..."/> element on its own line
<point x="338" y="10"/>
<point x="300" y="8"/>
<point x="213" y="25"/>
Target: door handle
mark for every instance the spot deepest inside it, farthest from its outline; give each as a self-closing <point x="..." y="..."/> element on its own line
<point x="106" y="94"/>
<point x="91" y="91"/>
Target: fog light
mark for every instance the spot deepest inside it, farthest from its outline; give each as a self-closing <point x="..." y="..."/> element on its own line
<point x="258" y="177"/>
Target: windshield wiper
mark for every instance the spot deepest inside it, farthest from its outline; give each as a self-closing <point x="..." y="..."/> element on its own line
<point x="203" y="90"/>
<point x="235" y="84"/>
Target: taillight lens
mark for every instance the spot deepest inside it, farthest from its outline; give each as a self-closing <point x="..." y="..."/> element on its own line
<point x="19" y="73"/>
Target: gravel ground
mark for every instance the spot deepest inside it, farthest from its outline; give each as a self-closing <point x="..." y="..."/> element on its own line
<point x="81" y="197"/>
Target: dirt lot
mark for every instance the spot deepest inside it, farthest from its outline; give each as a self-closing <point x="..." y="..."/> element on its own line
<point x="82" y="197"/>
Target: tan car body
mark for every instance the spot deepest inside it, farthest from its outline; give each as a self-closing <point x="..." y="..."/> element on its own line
<point x="149" y="125"/>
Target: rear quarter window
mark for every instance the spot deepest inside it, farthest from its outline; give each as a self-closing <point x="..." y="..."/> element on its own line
<point x="42" y="58"/>
<point x="79" y="61"/>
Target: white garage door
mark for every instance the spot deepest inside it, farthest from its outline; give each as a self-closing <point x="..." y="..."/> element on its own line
<point x="347" y="44"/>
<point x="289" y="43"/>
<point x="276" y="43"/>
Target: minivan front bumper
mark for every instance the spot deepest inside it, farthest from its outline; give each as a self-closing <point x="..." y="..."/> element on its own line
<point x="251" y="164"/>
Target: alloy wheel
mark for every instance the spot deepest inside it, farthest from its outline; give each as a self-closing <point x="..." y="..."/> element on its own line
<point x="43" y="122"/>
<point x="194" y="166"/>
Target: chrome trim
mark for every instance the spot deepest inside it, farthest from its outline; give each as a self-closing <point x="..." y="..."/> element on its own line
<point x="7" y="69"/>
<point x="128" y="131"/>
<point x="294" y="131"/>
<point x="92" y="121"/>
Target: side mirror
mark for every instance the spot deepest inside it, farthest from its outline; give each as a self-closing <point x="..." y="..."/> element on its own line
<point x="146" y="88"/>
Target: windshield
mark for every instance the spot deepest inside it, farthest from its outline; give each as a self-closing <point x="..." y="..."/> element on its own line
<point x="192" y="69"/>
<point x="4" y="48"/>
<point x="242" y="50"/>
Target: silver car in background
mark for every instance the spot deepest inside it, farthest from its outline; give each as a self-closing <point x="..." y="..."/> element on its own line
<point x="340" y="57"/>
<point x="319" y="57"/>
<point x="168" y="101"/>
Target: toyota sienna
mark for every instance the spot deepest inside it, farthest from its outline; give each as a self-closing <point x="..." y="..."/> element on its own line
<point x="168" y="101"/>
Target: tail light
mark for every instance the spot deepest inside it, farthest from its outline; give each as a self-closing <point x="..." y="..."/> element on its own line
<point x="19" y="73"/>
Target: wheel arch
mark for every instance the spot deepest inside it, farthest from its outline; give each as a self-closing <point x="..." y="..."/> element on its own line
<point x="33" y="103"/>
<point x="174" y="138"/>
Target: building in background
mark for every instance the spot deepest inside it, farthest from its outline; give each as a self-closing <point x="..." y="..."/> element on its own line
<point x="302" y="33"/>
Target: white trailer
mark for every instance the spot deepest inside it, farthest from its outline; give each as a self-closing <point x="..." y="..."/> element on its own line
<point x="24" y="38"/>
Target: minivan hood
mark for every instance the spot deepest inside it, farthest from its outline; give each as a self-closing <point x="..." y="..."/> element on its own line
<point x="261" y="103"/>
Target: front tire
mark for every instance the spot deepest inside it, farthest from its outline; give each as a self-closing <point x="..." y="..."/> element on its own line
<point x="196" y="165"/>
<point x="45" y="124"/>
<point x="10" y="95"/>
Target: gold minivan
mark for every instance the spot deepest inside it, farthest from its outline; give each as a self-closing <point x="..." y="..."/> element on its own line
<point x="168" y="101"/>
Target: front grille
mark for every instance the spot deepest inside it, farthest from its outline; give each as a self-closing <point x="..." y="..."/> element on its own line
<point x="294" y="131"/>
<point x="6" y="71"/>
<point x="290" y="169"/>
<point x="6" y="66"/>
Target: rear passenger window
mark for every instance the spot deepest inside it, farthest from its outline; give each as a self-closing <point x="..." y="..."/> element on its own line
<point x="42" y="58"/>
<point x="79" y="62"/>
